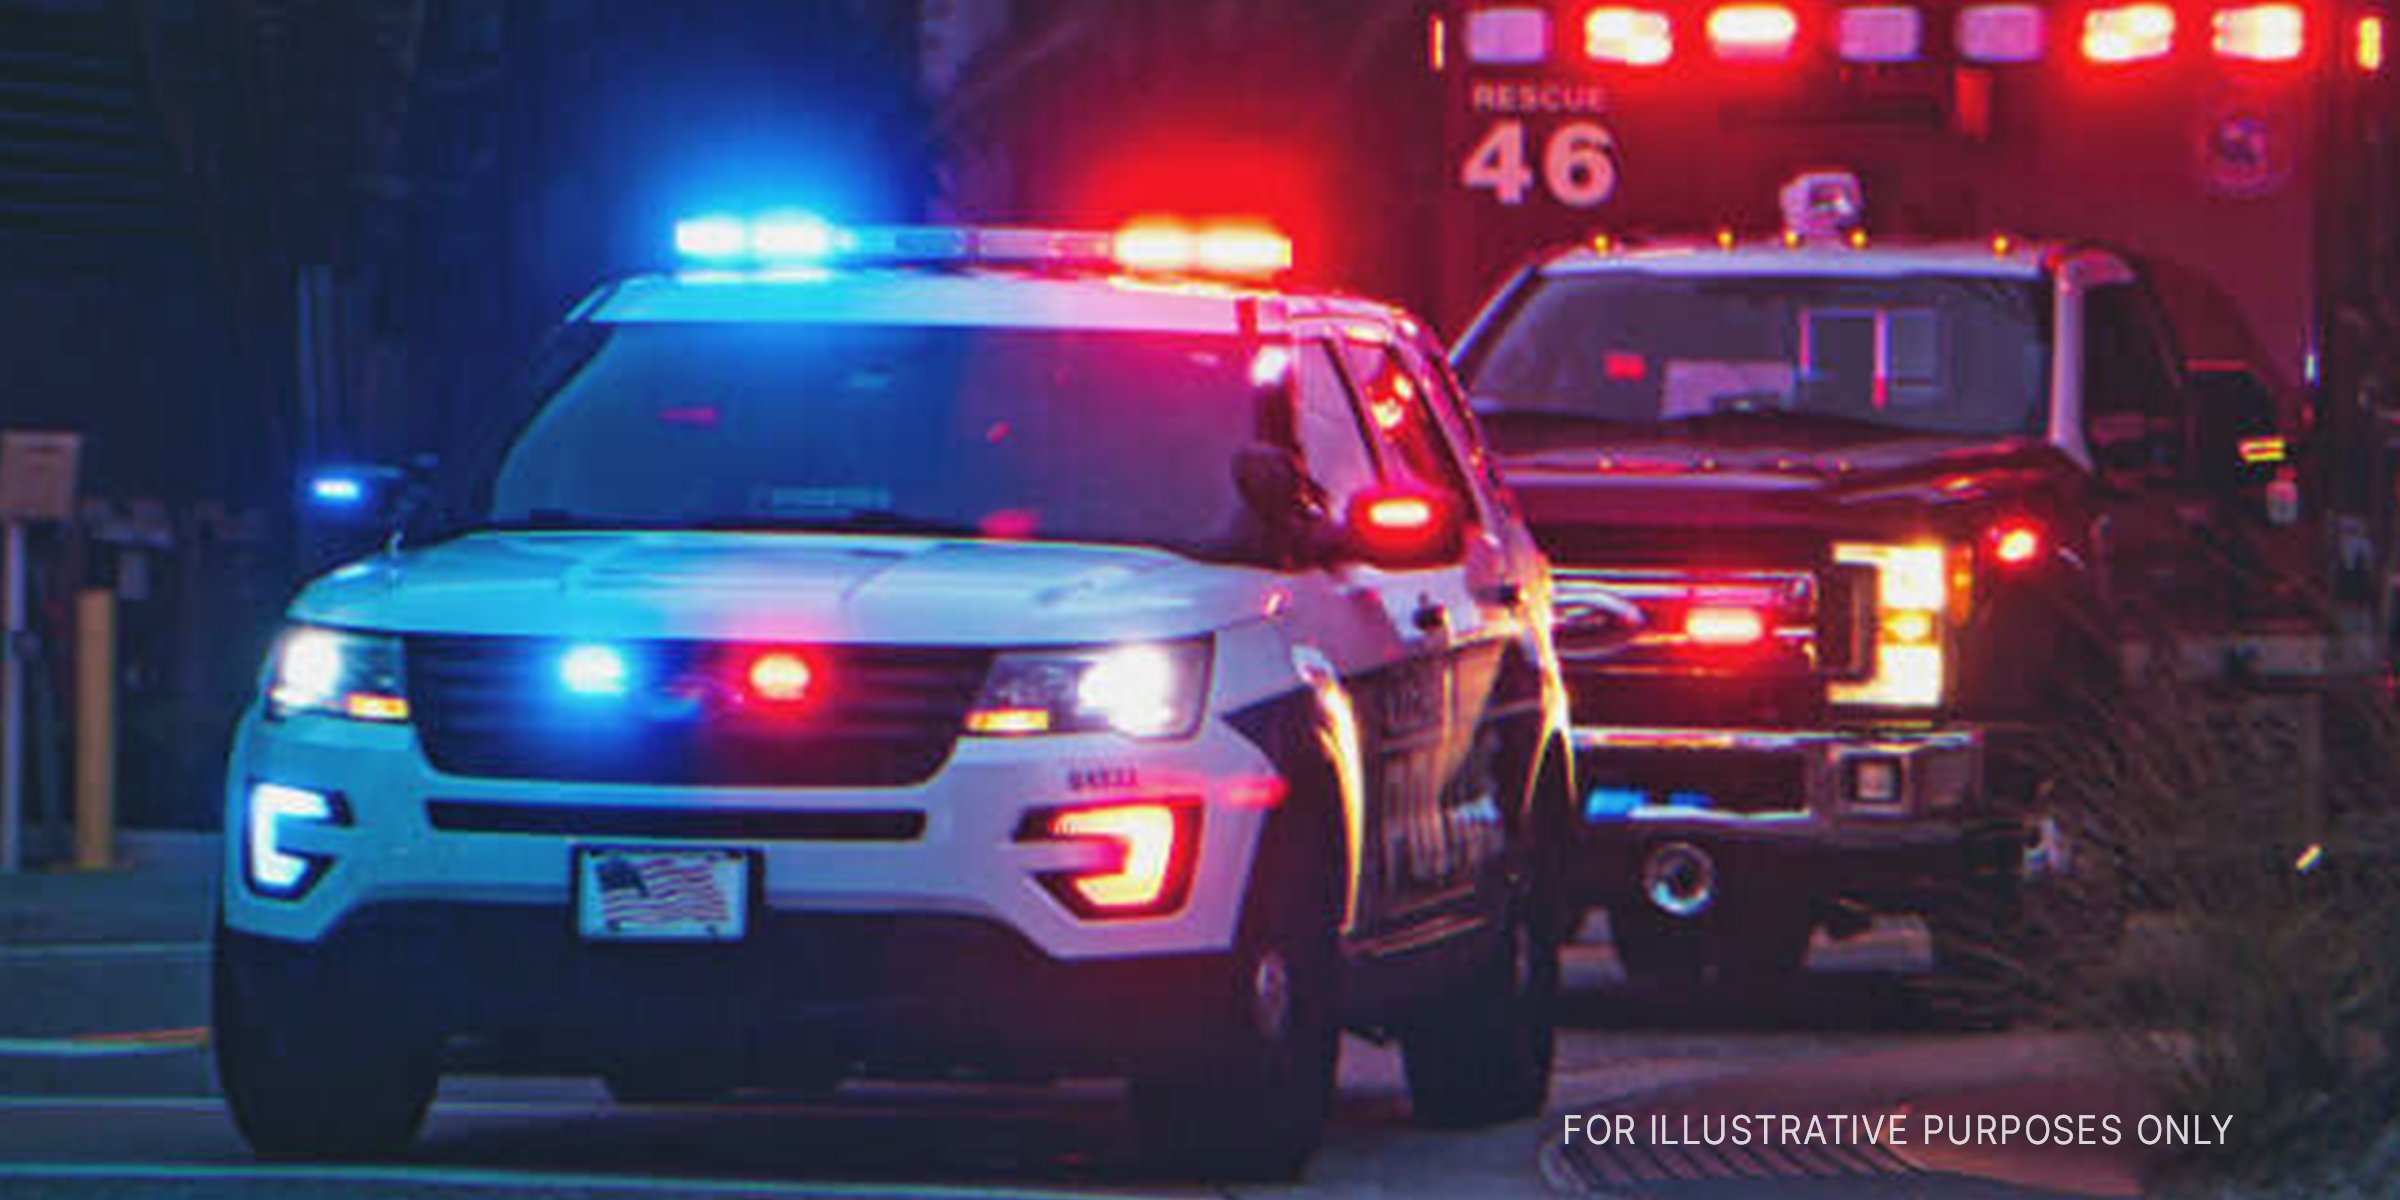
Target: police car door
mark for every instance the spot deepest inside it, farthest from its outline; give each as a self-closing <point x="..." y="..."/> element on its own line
<point x="1465" y="612"/>
<point x="1387" y="635"/>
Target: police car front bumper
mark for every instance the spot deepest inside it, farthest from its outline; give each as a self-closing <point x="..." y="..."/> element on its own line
<point x="511" y="988"/>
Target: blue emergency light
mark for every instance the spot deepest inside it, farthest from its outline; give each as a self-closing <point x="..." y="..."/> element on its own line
<point x="797" y="239"/>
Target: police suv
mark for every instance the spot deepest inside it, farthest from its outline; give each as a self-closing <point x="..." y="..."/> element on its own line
<point x="917" y="652"/>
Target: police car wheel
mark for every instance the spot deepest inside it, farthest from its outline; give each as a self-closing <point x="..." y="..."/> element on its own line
<point x="1248" y="1101"/>
<point x="1482" y="1054"/>
<point x="310" y="1074"/>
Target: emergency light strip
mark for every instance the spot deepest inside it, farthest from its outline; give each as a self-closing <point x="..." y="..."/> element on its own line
<point x="2008" y="32"/>
<point x="799" y="240"/>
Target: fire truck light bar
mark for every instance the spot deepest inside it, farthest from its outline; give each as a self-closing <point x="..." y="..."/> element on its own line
<point x="2000" y="33"/>
<point x="1752" y="32"/>
<point x="1996" y="32"/>
<point x="2129" y="34"/>
<point x="1509" y="36"/>
<point x="798" y="240"/>
<point x="1633" y="37"/>
<point x="1888" y="33"/>
<point x="2261" y="33"/>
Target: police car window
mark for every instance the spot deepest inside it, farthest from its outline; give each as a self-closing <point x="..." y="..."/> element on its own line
<point x="1068" y="435"/>
<point x="1403" y="424"/>
<point x="1915" y="354"/>
<point x="1325" y="424"/>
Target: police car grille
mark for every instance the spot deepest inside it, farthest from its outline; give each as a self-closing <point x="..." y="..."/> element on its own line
<point x="883" y="716"/>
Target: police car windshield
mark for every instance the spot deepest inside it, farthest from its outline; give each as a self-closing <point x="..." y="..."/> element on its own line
<point x="1013" y="433"/>
<point x="1820" y="357"/>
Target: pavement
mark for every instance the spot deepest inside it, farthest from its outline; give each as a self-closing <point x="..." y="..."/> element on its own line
<point x="105" y="1083"/>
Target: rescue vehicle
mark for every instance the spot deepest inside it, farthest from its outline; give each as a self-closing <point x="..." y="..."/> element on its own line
<point x="917" y="652"/>
<point x="1890" y="383"/>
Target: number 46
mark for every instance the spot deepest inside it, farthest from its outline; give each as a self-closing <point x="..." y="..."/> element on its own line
<point x="1579" y="165"/>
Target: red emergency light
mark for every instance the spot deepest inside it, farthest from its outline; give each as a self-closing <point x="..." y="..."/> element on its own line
<point x="1224" y="250"/>
<point x="2266" y="33"/>
<point x="2370" y="44"/>
<point x="1722" y="626"/>
<point x="1632" y="37"/>
<point x="2129" y="34"/>
<point x="1753" y="32"/>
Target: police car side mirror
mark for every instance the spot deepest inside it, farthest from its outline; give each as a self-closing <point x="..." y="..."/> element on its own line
<point x="1398" y="528"/>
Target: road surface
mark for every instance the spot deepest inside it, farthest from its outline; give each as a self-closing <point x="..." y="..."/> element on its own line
<point x="105" y="1091"/>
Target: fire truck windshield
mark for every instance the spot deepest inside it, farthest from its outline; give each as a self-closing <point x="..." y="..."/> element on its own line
<point x="1586" y="353"/>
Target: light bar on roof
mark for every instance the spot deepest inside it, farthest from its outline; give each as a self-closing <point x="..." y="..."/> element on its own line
<point x="1510" y="36"/>
<point x="1633" y="37"/>
<point x="788" y="239"/>
<point x="2260" y="33"/>
<point x="2128" y="34"/>
<point x="1880" y="33"/>
<point x="2000" y="33"/>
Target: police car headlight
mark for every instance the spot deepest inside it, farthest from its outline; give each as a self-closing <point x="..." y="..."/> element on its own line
<point x="338" y="673"/>
<point x="1146" y="690"/>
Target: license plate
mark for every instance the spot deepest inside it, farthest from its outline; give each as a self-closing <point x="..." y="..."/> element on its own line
<point x="626" y="893"/>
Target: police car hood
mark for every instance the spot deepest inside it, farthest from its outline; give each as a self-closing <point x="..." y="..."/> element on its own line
<point x="784" y="587"/>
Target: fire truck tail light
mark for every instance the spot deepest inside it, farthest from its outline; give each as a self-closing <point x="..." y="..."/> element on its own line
<point x="2261" y="33"/>
<point x="2370" y="44"/>
<point x="1752" y="32"/>
<point x="1725" y="627"/>
<point x="1881" y="34"/>
<point x="2132" y="33"/>
<point x="1510" y="36"/>
<point x="1151" y="847"/>
<point x="2001" y="33"/>
<point x="1633" y="37"/>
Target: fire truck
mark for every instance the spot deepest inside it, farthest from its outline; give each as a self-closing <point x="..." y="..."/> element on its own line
<point x="1890" y="383"/>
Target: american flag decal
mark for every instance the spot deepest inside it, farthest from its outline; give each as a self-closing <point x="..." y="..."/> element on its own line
<point x="636" y="889"/>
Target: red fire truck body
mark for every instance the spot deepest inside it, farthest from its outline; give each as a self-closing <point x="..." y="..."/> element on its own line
<point x="1887" y="380"/>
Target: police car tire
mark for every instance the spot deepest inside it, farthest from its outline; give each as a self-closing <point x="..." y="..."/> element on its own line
<point x="1245" y="1103"/>
<point x="310" y="1076"/>
<point x="1482" y="1055"/>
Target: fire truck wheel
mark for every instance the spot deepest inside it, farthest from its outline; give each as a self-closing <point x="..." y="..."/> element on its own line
<point x="1482" y="1054"/>
<point x="1249" y="1102"/>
